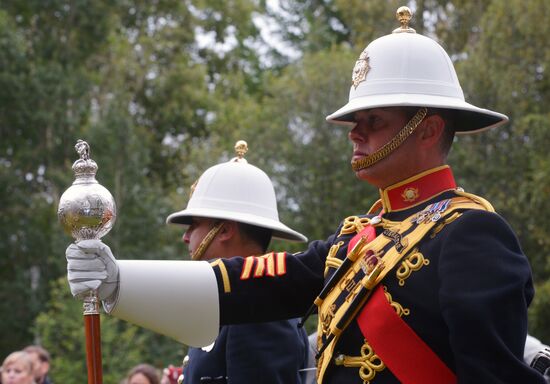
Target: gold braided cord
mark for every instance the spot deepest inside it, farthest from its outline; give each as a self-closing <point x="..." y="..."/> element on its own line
<point x="411" y="263"/>
<point x="478" y="199"/>
<point x="392" y="145"/>
<point x="375" y="208"/>
<point x="353" y="224"/>
<point x="333" y="262"/>
<point x="205" y="243"/>
<point x="445" y="222"/>
<point x="369" y="363"/>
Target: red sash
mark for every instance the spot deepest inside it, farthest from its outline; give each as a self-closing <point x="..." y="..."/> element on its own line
<point x="397" y="345"/>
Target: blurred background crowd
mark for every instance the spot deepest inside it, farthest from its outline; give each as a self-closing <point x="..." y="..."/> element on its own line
<point x="31" y="365"/>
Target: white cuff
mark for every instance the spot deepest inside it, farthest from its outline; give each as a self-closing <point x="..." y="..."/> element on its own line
<point x="178" y="299"/>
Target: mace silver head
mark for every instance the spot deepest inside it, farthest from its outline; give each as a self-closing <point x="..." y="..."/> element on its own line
<point x="86" y="209"/>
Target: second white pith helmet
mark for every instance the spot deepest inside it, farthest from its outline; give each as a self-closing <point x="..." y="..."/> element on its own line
<point x="236" y="191"/>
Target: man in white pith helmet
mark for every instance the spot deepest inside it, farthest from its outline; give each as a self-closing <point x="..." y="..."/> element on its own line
<point x="430" y="285"/>
<point x="233" y="211"/>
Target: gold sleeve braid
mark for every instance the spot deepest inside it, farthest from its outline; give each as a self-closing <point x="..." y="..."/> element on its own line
<point x="218" y="263"/>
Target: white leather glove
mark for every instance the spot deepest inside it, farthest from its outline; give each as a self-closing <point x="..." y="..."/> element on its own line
<point x="92" y="266"/>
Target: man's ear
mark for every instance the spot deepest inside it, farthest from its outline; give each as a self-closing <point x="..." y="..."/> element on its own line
<point x="430" y="131"/>
<point x="228" y="231"/>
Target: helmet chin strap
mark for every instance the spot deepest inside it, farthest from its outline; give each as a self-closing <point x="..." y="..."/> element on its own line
<point x="205" y="243"/>
<point x="393" y="144"/>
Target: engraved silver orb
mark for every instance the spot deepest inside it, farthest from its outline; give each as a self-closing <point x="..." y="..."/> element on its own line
<point x="86" y="209"/>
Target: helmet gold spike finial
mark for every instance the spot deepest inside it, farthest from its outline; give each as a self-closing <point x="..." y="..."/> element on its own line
<point x="404" y="16"/>
<point x="241" y="147"/>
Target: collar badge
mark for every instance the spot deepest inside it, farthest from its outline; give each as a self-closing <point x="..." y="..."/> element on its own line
<point x="410" y="194"/>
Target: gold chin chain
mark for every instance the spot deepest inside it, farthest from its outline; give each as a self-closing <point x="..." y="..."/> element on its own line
<point x="205" y="243"/>
<point x="392" y="145"/>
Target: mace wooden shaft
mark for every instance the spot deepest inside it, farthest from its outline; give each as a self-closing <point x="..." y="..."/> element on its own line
<point x="93" y="349"/>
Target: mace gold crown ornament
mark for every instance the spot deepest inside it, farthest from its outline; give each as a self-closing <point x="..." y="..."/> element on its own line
<point x="86" y="209"/>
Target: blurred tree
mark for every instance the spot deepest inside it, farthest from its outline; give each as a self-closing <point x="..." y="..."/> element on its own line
<point x="317" y="25"/>
<point x="506" y="71"/>
<point x="43" y="92"/>
<point x="131" y="78"/>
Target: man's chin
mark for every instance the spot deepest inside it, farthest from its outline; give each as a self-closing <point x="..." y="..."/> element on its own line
<point x="363" y="174"/>
<point x="371" y="176"/>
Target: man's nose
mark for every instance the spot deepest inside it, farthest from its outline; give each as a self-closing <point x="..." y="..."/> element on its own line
<point x="185" y="237"/>
<point x="355" y="134"/>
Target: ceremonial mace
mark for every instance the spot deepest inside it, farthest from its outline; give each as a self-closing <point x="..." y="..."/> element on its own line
<point x="87" y="210"/>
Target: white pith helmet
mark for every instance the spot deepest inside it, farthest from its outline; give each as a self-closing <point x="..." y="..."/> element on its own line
<point x="236" y="191"/>
<point x="408" y="69"/>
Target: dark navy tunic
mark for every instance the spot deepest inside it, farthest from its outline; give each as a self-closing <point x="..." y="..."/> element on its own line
<point x="263" y="353"/>
<point x="468" y="304"/>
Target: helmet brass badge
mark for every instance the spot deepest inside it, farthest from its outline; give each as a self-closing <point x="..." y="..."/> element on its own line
<point x="193" y="187"/>
<point x="360" y="69"/>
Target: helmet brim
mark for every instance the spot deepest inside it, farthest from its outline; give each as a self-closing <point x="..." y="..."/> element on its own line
<point x="280" y="231"/>
<point x="468" y="117"/>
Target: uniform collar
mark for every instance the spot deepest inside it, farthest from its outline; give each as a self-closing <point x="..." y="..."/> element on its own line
<point x="417" y="189"/>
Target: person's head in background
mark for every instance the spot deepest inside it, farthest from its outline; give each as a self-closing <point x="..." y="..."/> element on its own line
<point x="17" y="368"/>
<point x="41" y="362"/>
<point x="171" y="374"/>
<point x="143" y="374"/>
